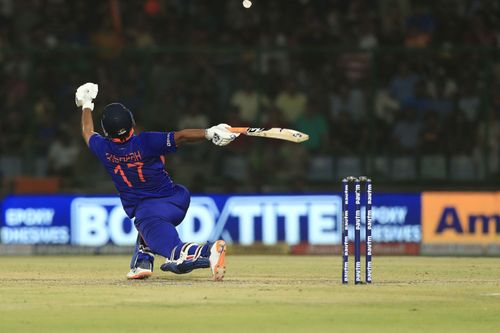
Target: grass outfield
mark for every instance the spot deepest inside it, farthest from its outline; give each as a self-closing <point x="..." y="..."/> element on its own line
<point x="260" y="294"/>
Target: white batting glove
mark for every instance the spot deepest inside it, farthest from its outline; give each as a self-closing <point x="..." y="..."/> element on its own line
<point x="85" y="94"/>
<point x="220" y="135"/>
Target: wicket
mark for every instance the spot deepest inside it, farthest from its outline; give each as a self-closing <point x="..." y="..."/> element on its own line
<point x="357" y="181"/>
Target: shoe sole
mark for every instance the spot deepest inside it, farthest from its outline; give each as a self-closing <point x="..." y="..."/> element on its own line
<point x="220" y="267"/>
<point x="140" y="276"/>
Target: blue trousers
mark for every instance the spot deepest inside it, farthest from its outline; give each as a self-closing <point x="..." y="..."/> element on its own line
<point x="156" y="219"/>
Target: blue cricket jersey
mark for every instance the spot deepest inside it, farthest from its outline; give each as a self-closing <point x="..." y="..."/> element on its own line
<point x="136" y="166"/>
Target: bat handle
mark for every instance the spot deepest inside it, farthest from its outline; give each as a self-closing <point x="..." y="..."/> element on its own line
<point x="238" y="129"/>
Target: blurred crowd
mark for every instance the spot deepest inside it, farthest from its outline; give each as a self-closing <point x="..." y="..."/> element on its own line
<point x="402" y="90"/>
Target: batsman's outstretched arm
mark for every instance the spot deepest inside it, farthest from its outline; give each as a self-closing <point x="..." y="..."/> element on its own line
<point x="220" y="135"/>
<point x="84" y="97"/>
<point x="189" y="136"/>
<point x="87" y="125"/>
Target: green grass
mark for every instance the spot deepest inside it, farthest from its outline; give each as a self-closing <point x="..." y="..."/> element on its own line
<point x="260" y="294"/>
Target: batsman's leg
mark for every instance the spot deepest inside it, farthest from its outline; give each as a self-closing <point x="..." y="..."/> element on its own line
<point x="191" y="256"/>
<point x="163" y="239"/>
<point x="142" y="263"/>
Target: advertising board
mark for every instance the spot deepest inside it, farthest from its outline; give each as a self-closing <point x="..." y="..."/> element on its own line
<point x="241" y="219"/>
<point x="461" y="217"/>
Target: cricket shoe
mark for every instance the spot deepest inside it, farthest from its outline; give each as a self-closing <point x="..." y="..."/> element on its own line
<point x="218" y="260"/>
<point x="185" y="266"/>
<point x="143" y="270"/>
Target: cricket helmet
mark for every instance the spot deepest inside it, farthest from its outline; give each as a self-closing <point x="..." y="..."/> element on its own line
<point x="117" y="121"/>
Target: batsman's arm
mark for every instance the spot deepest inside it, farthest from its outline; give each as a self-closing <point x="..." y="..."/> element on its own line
<point x="84" y="97"/>
<point x="189" y="136"/>
<point x="219" y="135"/>
<point x="87" y="125"/>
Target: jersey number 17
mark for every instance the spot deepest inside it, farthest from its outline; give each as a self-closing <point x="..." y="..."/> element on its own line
<point x="138" y="165"/>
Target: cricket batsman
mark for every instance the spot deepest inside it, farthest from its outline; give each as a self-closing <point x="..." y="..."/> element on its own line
<point x="148" y="195"/>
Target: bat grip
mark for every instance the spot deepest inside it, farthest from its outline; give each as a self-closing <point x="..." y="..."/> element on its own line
<point x="238" y="129"/>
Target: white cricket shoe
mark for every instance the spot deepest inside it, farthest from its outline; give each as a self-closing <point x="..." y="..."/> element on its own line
<point x="139" y="273"/>
<point x="218" y="260"/>
<point x="142" y="271"/>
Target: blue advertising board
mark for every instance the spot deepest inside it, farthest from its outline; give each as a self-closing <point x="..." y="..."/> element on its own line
<point x="243" y="219"/>
<point x="35" y="220"/>
<point x="397" y="218"/>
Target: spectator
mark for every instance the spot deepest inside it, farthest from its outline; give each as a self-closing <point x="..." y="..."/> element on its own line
<point x="354" y="65"/>
<point x="350" y="101"/>
<point x="109" y="41"/>
<point x="141" y="35"/>
<point x="314" y="123"/>
<point x="468" y="101"/>
<point x="406" y="132"/>
<point x="419" y="28"/>
<point x="461" y="134"/>
<point x="441" y="104"/>
<point x="194" y="117"/>
<point x="342" y="136"/>
<point x="46" y="131"/>
<point x="402" y="86"/>
<point x="431" y="136"/>
<point x="367" y="38"/>
<point x="62" y="156"/>
<point x="385" y="105"/>
<point x="13" y="138"/>
<point x="291" y="102"/>
<point x="340" y="103"/>
<point x="272" y="78"/>
<point x="441" y="85"/>
<point x="421" y="102"/>
<point x="273" y="118"/>
<point x="248" y="102"/>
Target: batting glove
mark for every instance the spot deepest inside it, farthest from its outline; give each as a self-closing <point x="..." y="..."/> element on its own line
<point x="220" y="135"/>
<point x="85" y="94"/>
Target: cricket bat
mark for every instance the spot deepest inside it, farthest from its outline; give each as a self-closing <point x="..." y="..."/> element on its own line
<point x="273" y="133"/>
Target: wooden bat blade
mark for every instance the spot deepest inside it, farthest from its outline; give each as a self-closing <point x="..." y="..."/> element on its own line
<point x="273" y="133"/>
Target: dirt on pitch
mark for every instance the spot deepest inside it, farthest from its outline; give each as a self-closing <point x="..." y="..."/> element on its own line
<point x="259" y="294"/>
